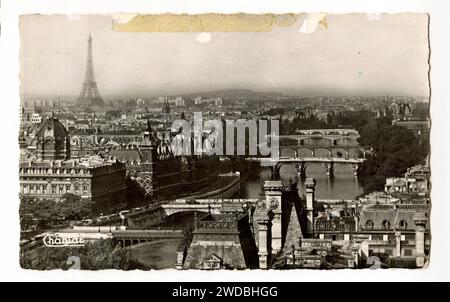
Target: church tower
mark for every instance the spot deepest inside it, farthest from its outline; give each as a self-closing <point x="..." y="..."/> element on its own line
<point x="148" y="148"/>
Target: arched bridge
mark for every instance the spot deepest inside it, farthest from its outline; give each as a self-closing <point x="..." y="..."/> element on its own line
<point x="332" y="151"/>
<point x="152" y="216"/>
<point x="341" y="132"/>
<point x="301" y="163"/>
<point x="214" y="206"/>
<point x="129" y="237"/>
<point x="333" y="135"/>
<point x="173" y="208"/>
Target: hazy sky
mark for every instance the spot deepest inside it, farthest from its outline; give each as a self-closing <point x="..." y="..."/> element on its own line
<point x="354" y="56"/>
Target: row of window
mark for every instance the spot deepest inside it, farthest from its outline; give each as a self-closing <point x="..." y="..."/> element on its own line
<point x="55" y="189"/>
<point x="390" y="252"/>
<point x="133" y="162"/>
<point x="34" y="178"/>
<point x="386" y="225"/>
<point x="52" y="171"/>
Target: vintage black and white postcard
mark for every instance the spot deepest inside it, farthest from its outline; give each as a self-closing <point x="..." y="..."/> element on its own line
<point x="224" y="141"/>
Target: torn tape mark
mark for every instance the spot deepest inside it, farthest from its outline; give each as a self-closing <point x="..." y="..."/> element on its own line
<point x="123" y="18"/>
<point x="201" y="23"/>
<point x="312" y="21"/>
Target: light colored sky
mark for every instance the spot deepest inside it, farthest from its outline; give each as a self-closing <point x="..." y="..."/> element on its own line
<point x="354" y="56"/>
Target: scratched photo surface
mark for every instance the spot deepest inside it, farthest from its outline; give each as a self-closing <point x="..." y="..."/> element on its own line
<point x="224" y="142"/>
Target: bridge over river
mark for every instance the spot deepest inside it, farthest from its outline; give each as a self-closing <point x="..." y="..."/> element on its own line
<point x="333" y="135"/>
<point x="291" y="147"/>
<point x="332" y="151"/>
<point x="130" y="237"/>
<point x="152" y="216"/>
<point x="301" y="163"/>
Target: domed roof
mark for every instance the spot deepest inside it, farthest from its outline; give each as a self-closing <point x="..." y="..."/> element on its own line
<point x="52" y="127"/>
<point x="52" y="141"/>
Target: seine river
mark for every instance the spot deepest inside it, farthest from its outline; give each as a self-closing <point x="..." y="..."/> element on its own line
<point x="344" y="185"/>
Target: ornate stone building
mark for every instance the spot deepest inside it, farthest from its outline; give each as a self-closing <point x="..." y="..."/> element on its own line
<point x="222" y="241"/>
<point x="415" y="180"/>
<point x="51" y="173"/>
<point x="337" y="234"/>
<point x="155" y="167"/>
<point x="52" y="141"/>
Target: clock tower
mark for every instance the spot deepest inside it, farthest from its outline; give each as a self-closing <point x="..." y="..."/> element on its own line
<point x="273" y="190"/>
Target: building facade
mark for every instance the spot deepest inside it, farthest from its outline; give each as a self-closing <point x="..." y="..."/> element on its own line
<point x="221" y="241"/>
<point x="415" y="180"/>
<point x="51" y="173"/>
<point x="155" y="167"/>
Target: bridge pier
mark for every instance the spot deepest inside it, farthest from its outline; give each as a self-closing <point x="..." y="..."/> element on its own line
<point x="275" y="172"/>
<point x="355" y="170"/>
<point x="301" y="169"/>
<point x="329" y="169"/>
<point x="253" y="167"/>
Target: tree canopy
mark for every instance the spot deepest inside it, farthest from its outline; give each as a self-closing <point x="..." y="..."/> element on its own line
<point x="46" y="211"/>
<point x="95" y="255"/>
<point x="395" y="150"/>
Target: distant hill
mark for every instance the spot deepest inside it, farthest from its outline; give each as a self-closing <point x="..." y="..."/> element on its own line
<point x="232" y="93"/>
<point x="223" y="93"/>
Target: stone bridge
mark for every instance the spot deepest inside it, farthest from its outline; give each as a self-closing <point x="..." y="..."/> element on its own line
<point x="214" y="206"/>
<point x="173" y="208"/>
<point x="333" y="135"/>
<point x="301" y="163"/>
<point x="331" y="150"/>
<point x="340" y="132"/>
<point x="154" y="215"/>
<point x="125" y="238"/>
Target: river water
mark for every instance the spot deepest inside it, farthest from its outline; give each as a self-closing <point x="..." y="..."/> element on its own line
<point x="344" y="185"/>
<point x="161" y="254"/>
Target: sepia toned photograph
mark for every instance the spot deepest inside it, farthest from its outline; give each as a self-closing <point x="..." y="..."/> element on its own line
<point x="224" y="142"/>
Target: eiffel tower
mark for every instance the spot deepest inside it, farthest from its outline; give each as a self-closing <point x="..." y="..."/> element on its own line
<point x="89" y="95"/>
